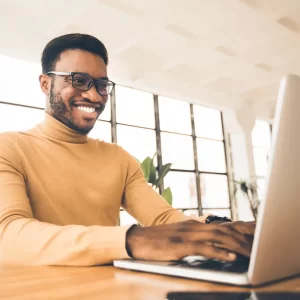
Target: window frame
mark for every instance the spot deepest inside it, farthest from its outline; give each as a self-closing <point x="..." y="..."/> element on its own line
<point x="196" y="171"/>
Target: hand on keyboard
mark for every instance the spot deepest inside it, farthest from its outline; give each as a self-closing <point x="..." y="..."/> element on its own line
<point x="178" y="240"/>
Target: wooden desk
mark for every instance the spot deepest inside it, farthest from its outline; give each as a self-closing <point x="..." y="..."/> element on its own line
<point x="105" y="282"/>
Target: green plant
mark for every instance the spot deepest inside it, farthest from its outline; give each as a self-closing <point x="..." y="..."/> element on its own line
<point x="249" y="190"/>
<point x="155" y="179"/>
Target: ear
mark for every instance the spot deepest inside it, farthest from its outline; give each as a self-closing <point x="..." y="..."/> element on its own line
<point x="45" y="83"/>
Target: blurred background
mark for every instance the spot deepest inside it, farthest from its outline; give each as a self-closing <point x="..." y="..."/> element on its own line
<point x="197" y="83"/>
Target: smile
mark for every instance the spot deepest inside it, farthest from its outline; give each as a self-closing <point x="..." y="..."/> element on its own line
<point x="86" y="109"/>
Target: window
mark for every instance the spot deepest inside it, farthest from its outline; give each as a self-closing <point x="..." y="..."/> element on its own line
<point x="211" y="161"/>
<point x="178" y="150"/>
<point x="184" y="189"/>
<point x="261" y="141"/>
<point x="101" y="131"/>
<point x="208" y="149"/>
<point x="191" y="212"/>
<point x="25" y="89"/>
<point x="106" y="114"/>
<point x="214" y="191"/>
<point x="134" y="107"/>
<point x="208" y="123"/>
<point x="174" y="116"/>
<point x="126" y="219"/>
<point x="139" y="142"/>
<point x="19" y="118"/>
<point x="135" y="128"/>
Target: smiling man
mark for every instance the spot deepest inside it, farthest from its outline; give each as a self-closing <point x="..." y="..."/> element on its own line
<point x="76" y="98"/>
<point x="61" y="192"/>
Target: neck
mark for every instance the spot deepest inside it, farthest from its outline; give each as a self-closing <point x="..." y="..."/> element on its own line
<point x="57" y="130"/>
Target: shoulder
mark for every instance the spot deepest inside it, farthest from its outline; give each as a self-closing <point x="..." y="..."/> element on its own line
<point x="9" y="148"/>
<point x="8" y="139"/>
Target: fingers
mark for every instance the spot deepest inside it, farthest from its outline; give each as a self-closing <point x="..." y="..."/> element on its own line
<point x="226" y="238"/>
<point x="243" y="238"/>
<point x="212" y="252"/>
<point x="245" y="227"/>
<point x="230" y="242"/>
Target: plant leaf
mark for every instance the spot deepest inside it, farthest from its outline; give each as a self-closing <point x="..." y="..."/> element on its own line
<point x="167" y="195"/>
<point x="152" y="174"/>
<point x="146" y="166"/>
<point x="164" y="171"/>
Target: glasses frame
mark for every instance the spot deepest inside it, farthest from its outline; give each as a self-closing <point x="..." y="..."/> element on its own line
<point x="94" y="81"/>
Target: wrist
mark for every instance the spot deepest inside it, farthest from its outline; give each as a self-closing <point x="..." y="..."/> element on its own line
<point x="129" y="240"/>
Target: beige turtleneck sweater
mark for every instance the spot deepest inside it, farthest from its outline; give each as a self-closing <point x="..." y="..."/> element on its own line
<point x="60" y="196"/>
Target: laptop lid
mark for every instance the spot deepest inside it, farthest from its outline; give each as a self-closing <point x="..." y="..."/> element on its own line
<point x="276" y="247"/>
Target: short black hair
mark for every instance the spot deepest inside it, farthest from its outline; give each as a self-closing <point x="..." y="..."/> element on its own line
<point x="58" y="45"/>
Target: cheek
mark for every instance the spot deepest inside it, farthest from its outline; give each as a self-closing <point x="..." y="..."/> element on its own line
<point x="67" y="94"/>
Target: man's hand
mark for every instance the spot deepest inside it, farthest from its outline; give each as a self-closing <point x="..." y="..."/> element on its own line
<point x="175" y="241"/>
<point x="247" y="228"/>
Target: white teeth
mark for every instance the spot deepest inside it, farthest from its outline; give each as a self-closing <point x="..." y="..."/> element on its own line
<point x="86" y="109"/>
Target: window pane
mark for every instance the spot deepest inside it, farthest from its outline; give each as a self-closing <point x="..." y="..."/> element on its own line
<point x="101" y="131"/>
<point x="191" y="212"/>
<point x="126" y="219"/>
<point x="178" y="150"/>
<point x="138" y="142"/>
<point x="214" y="191"/>
<point x="18" y="118"/>
<point x="261" y="134"/>
<point x="261" y="188"/>
<point x="208" y="123"/>
<point x="183" y="187"/>
<point x="218" y="212"/>
<point x="134" y="107"/>
<point x="26" y="88"/>
<point x="260" y="161"/>
<point x="211" y="156"/>
<point x="106" y="114"/>
<point x="174" y="116"/>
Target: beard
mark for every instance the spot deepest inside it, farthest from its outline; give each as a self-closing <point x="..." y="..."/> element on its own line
<point x="61" y="112"/>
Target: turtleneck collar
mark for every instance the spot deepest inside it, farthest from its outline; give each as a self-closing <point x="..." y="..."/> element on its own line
<point x="57" y="130"/>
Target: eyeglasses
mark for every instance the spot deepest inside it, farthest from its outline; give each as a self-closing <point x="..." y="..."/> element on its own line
<point x="84" y="82"/>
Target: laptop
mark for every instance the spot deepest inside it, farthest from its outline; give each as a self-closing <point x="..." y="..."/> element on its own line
<point x="276" y="247"/>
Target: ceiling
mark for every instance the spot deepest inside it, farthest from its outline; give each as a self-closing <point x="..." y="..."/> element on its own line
<point x="221" y="53"/>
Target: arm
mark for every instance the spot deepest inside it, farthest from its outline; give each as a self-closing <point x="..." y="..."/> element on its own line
<point x="185" y="236"/>
<point x="26" y="241"/>
<point x="143" y="203"/>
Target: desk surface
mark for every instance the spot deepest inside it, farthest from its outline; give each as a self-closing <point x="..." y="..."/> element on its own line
<point x="105" y="282"/>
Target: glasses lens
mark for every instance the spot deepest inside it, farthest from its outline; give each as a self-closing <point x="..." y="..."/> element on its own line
<point x="104" y="87"/>
<point x="82" y="81"/>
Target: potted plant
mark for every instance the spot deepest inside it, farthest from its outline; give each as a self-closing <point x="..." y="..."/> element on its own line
<point x="155" y="178"/>
<point x="249" y="190"/>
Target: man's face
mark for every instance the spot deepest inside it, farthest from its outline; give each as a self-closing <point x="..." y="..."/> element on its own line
<point x="67" y="103"/>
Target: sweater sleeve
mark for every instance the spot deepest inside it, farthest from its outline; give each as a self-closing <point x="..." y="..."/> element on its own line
<point x="27" y="241"/>
<point x="144" y="203"/>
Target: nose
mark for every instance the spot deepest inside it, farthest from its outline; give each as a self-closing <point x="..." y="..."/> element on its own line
<point x="93" y="95"/>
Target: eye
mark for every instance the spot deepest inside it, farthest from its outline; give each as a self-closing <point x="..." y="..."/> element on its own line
<point x="79" y="81"/>
<point x="102" y="84"/>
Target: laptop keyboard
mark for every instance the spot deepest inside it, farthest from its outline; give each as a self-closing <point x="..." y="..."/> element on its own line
<point x="240" y="265"/>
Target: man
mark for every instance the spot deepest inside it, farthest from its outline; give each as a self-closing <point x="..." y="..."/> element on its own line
<point x="60" y="191"/>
